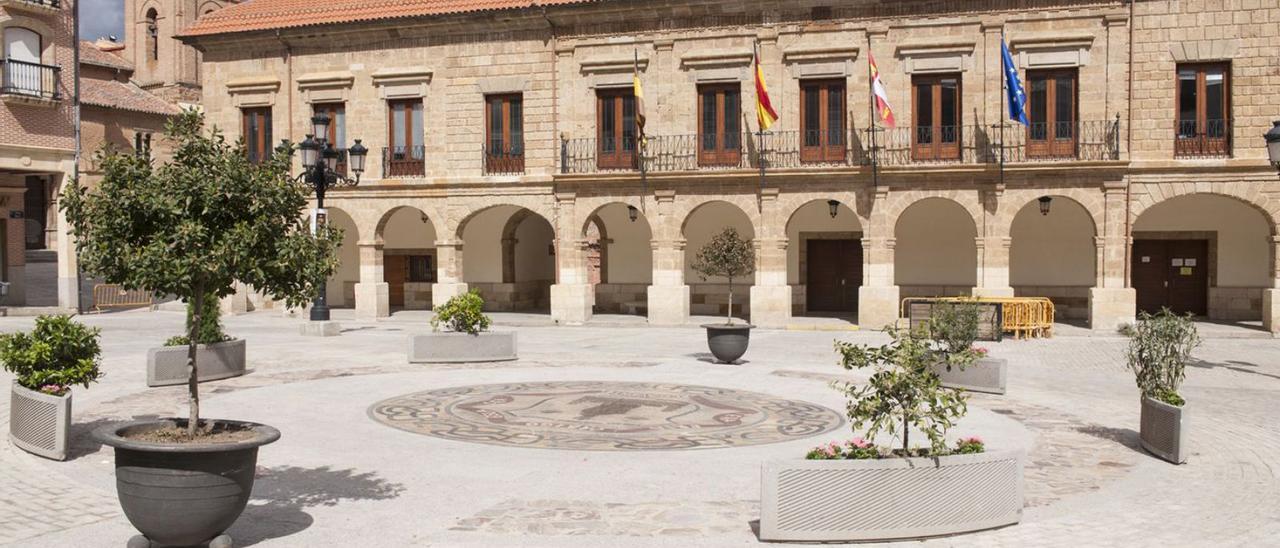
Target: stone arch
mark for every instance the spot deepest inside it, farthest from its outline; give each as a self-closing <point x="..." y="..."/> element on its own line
<point x="740" y="203"/>
<point x="590" y="209"/>
<point x="340" y="291"/>
<point x="899" y="202"/>
<point x="511" y="256"/>
<point x="1056" y="255"/>
<point x="625" y="254"/>
<point x="935" y="255"/>
<point x="1157" y="193"/>
<point x="712" y="296"/>
<point x="379" y="232"/>
<point x="1015" y="200"/>
<point x="789" y="205"/>
<point x="543" y="209"/>
<point x="824" y="255"/>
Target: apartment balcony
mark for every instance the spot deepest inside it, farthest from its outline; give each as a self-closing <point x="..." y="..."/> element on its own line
<point x="1202" y="139"/>
<point x="404" y="161"/>
<point x="30" y="82"/>
<point x="33" y="6"/>
<point x="503" y="162"/>
<point x="1097" y="140"/>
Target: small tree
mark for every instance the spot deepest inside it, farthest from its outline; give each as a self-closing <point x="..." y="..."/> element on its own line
<point x="1159" y="349"/>
<point x="727" y="255"/>
<point x="462" y="313"/>
<point x="199" y="223"/>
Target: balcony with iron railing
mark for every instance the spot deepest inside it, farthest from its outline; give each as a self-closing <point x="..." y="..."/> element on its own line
<point x="404" y="161"/>
<point x="496" y="161"/>
<point x="39" y="6"/>
<point x="31" y="81"/>
<point x="1095" y="140"/>
<point x="1202" y="139"/>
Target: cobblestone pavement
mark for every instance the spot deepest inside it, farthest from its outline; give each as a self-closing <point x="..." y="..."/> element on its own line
<point x="1071" y="405"/>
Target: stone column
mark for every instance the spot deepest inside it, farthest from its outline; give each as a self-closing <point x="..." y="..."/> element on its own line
<point x="373" y="295"/>
<point x="668" y="295"/>
<point x="1271" y="295"/>
<point x="448" y="272"/>
<point x="878" y="296"/>
<point x="68" y="262"/>
<point x="771" y="296"/>
<point x="1112" y="302"/>
<point x="573" y="295"/>
<point x="993" y="267"/>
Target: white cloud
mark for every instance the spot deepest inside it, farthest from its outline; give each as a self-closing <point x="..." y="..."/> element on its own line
<point x="99" y="18"/>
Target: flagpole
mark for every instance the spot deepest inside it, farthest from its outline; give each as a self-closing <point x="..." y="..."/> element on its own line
<point x="755" y="48"/>
<point x="871" y="109"/>
<point x="1003" y="91"/>
<point x="641" y="145"/>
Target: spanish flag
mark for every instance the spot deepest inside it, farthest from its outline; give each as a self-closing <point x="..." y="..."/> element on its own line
<point x="881" y="96"/>
<point x="764" y="109"/>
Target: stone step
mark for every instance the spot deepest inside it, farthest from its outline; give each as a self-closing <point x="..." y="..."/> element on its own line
<point x="41" y="256"/>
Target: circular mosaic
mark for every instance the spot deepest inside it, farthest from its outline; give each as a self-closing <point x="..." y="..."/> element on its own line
<point x="605" y="416"/>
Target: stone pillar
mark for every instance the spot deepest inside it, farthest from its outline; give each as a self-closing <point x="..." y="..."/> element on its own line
<point x="993" y="267"/>
<point x="878" y="296"/>
<point x="771" y="296"/>
<point x="573" y="294"/>
<point x="668" y="295"/>
<point x="238" y="302"/>
<point x="1112" y="302"/>
<point x="1271" y="295"/>
<point x="68" y="262"/>
<point x="448" y="272"/>
<point x="373" y="295"/>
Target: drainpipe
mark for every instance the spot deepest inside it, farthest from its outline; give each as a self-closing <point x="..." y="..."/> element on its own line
<point x="1128" y="220"/>
<point x="75" y="110"/>
<point x="288" y="65"/>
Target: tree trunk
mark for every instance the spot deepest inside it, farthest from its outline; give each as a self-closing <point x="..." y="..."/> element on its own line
<point x="193" y="390"/>
<point x="906" y="436"/>
<point x="728" y="320"/>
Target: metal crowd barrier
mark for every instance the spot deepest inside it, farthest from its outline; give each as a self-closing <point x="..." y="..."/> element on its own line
<point x="114" y="296"/>
<point x="1024" y="317"/>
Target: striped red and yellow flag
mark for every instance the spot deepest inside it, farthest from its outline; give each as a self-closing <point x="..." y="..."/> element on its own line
<point x="881" y="96"/>
<point x="764" y="108"/>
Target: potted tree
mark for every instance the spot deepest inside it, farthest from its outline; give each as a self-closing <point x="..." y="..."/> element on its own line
<point x="729" y="256"/>
<point x="841" y="491"/>
<point x="466" y="337"/>
<point x="956" y="327"/>
<point x="1159" y="348"/>
<point x="219" y="356"/>
<point x="193" y="227"/>
<point x="57" y="354"/>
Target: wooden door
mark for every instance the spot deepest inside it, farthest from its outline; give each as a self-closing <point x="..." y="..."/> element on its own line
<point x="1173" y="274"/>
<point x="395" y="270"/>
<point x="834" y="274"/>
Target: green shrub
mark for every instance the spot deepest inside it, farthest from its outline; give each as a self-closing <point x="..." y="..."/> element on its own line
<point x="970" y="445"/>
<point x="462" y="313"/>
<point x="210" y="329"/>
<point x="1159" y="348"/>
<point x="954" y="326"/>
<point x="57" y="354"/>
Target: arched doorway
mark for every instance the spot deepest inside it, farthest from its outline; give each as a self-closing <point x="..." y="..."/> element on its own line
<point x="408" y="257"/>
<point x="619" y="259"/>
<point x="340" y="291"/>
<point x="935" y="252"/>
<point x="710" y="297"/>
<point x="510" y="258"/>
<point x="824" y="259"/>
<point x="1053" y="255"/>
<point x="1203" y="254"/>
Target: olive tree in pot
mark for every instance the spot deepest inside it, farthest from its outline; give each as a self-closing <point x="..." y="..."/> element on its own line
<point x="729" y="256"/>
<point x="193" y="227"/>
<point x="57" y="354"/>
<point x="1159" y="347"/>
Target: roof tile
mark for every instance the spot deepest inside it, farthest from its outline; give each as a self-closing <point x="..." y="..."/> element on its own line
<point x="123" y="96"/>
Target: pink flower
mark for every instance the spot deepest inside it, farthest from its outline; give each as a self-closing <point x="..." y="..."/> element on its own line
<point x="982" y="351"/>
<point x="859" y="443"/>
<point x="971" y="439"/>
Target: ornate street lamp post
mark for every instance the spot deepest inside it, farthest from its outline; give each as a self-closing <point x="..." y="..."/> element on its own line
<point x="1273" y="144"/>
<point x="319" y="172"/>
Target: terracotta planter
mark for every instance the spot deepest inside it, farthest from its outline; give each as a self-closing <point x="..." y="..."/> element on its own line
<point x="728" y="342"/>
<point x="183" y="494"/>
<point x="38" y="422"/>
<point x="167" y="366"/>
<point x="889" y="499"/>
<point x="1164" y="430"/>
<point x="984" y="375"/>
<point x="454" y="347"/>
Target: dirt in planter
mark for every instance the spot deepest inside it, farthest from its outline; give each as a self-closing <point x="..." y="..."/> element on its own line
<point x="207" y="434"/>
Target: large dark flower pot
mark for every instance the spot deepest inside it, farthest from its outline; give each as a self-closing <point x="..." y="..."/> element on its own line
<point x="728" y="342"/>
<point x="183" y="494"/>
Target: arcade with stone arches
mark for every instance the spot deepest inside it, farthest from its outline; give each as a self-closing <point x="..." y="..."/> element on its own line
<point x="1100" y="253"/>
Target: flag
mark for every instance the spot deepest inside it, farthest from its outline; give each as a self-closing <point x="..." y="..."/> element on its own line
<point x="1013" y="87"/>
<point x="639" y="97"/>
<point x="881" y="96"/>
<point x="764" y="108"/>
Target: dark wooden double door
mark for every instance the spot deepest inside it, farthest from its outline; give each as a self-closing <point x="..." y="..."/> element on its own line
<point x="834" y="273"/>
<point x="1173" y="274"/>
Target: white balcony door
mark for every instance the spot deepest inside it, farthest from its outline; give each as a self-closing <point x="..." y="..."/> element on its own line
<point x="22" y="45"/>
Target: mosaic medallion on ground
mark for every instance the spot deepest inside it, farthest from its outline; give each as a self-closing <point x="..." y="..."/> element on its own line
<point x="605" y="416"/>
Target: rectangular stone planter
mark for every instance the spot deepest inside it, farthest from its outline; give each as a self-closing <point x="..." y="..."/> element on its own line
<point x="889" y="499"/>
<point x="1163" y="430"/>
<point x="167" y="366"/>
<point x="38" y="422"/>
<point x="453" y="347"/>
<point x="984" y="375"/>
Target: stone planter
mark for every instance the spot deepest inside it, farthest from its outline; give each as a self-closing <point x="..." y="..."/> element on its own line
<point x="183" y="494"/>
<point x="1164" y="430"/>
<point x="167" y="366"/>
<point x="889" y="499"/>
<point x="454" y="347"/>
<point x="38" y="422"/>
<point x="728" y="342"/>
<point x="984" y="375"/>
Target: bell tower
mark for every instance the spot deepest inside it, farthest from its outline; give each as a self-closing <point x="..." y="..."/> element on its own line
<point x="162" y="64"/>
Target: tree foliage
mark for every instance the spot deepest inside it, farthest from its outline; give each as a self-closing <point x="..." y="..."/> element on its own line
<point x="726" y="255"/>
<point x="462" y="313"/>
<point x="1159" y="349"/>
<point x="56" y="354"/>
<point x="197" y="224"/>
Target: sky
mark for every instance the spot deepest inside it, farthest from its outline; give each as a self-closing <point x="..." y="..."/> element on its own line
<point x="99" y="18"/>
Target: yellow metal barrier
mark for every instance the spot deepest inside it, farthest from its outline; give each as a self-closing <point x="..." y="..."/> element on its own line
<point x="1025" y="317"/>
<point x="114" y="296"/>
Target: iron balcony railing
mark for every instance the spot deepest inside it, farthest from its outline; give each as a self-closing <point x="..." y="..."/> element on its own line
<point x="502" y="162"/>
<point x="1094" y="140"/>
<point x="1207" y="139"/>
<point x="46" y="3"/>
<point x="31" y="79"/>
<point x="404" y="161"/>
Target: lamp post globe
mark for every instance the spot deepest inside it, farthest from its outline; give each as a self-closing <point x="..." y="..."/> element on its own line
<point x="356" y="156"/>
<point x="320" y="126"/>
<point x="1273" y="144"/>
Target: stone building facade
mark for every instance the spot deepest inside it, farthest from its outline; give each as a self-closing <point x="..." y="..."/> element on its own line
<point x="1141" y="181"/>
<point x="163" y="65"/>
<point x="115" y="112"/>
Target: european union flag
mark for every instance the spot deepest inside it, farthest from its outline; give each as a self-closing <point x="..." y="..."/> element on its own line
<point x="1017" y="99"/>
